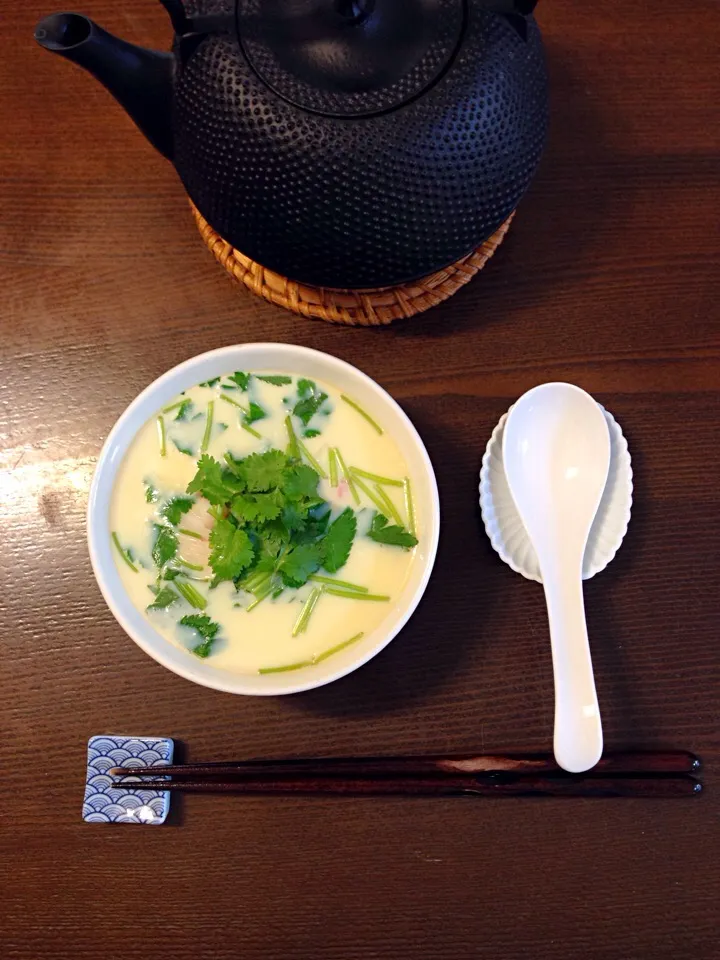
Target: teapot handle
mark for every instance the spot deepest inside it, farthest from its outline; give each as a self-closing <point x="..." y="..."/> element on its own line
<point x="176" y="11"/>
<point x="522" y="8"/>
<point x="185" y="25"/>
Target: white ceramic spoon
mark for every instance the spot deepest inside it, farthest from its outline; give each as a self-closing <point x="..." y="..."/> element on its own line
<point x="556" y="451"/>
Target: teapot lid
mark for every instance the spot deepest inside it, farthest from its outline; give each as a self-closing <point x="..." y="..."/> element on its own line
<point x="349" y="58"/>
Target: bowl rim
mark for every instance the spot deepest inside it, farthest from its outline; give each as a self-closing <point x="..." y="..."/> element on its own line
<point x="99" y="536"/>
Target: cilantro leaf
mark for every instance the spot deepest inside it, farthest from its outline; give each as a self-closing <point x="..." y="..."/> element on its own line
<point x="263" y="471"/>
<point x="276" y="381"/>
<point x="299" y="564"/>
<point x="293" y="517"/>
<point x="300" y="481"/>
<point x="216" y="484"/>
<point x="274" y="534"/>
<point x="394" y="536"/>
<point x="163" y="599"/>
<point x="184" y="410"/>
<point x="165" y="546"/>
<point x="207" y="629"/>
<point x="255" y="412"/>
<point x="338" y="541"/>
<point x="241" y="379"/>
<point x="251" y="507"/>
<point x="311" y="433"/>
<point x="305" y="387"/>
<point x="269" y="550"/>
<point x="232" y="551"/>
<point x="306" y="408"/>
<point x="209" y="383"/>
<point x="315" y="526"/>
<point x="151" y="494"/>
<point x="295" y="520"/>
<point x="186" y="450"/>
<point x="176" y="508"/>
<point x="272" y="528"/>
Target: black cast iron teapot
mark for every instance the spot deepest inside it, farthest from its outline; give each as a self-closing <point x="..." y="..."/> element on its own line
<point x="341" y="143"/>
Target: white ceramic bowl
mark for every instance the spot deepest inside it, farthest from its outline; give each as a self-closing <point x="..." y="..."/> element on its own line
<point x="293" y="360"/>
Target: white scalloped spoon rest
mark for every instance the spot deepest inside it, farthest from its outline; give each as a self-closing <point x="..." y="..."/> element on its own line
<point x="556" y="451"/>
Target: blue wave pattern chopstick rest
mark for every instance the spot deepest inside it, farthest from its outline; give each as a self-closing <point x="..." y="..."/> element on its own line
<point x="105" y="802"/>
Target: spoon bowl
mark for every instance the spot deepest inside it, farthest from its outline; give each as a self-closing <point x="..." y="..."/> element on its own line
<point x="556" y="451"/>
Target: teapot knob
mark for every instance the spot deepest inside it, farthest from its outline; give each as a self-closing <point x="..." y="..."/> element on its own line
<point x="354" y="11"/>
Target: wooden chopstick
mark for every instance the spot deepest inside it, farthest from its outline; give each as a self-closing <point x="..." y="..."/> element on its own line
<point x="635" y="762"/>
<point x="503" y="785"/>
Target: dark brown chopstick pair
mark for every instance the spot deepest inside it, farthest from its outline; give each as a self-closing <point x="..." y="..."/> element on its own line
<point x="632" y="774"/>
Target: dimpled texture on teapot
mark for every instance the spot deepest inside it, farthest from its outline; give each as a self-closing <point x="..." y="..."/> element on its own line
<point x="371" y="201"/>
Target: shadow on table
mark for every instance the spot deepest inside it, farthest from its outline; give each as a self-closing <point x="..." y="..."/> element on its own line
<point x="441" y="641"/>
<point x="624" y="724"/>
<point x="439" y="638"/>
<point x="558" y="218"/>
<point x="176" y="813"/>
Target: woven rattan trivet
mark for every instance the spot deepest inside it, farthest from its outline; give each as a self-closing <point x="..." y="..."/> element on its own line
<point x="354" y="307"/>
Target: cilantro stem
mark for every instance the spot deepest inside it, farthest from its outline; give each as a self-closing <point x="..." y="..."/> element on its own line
<point x="190" y="533"/>
<point x="234" y="403"/>
<point x="190" y="566"/>
<point x="348" y="476"/>
<point x="173" y="406"/>
<point x="306" y="612"/>
<point x="261" y="590"/>
<point x="336" y="649"/>
<point x="250" y="430"/>
<point x="208" y="427"/>
<point x="254" y="581"/>
<point x="353" y="595"/>
<point x="293" y="449"/>
<point x="123" y="553"/>
<point x="189" y="593"/>
<point x="371" y="495"/>
<point x="376" y="478"/>
<point x="287" y="668"/>
<point x="318" y="658"/>
<point x="245" y="411"/>
<point x="393" y="512"/>
<point x="332" y="461"/>
<point x="409" y="508"/>
<point x="162" y="436"/>
<point x="363" y="413"/>
<point x="258" y="600"/>
<point x="311" y="460"/>
<point x="230" y="461"/>
<point x="338" y="583"/>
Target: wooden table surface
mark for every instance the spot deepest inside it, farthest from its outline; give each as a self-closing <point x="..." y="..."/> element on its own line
<point x="608" y="278"/>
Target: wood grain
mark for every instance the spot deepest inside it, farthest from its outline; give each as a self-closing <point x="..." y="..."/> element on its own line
<point x="609" y="278"/>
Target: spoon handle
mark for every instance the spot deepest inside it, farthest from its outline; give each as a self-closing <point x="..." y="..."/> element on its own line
<point x="578" y="739"/>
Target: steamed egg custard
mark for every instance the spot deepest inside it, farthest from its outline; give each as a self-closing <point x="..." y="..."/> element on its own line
<point x="263" y="520"/>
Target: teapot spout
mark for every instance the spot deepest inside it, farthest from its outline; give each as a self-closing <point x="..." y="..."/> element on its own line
<point x="140" y="80"/>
